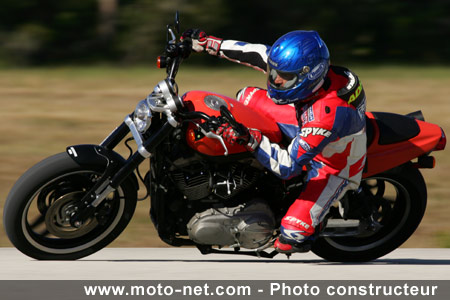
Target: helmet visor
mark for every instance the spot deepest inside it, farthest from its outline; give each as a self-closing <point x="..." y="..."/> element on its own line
<point x="282" y="80"/>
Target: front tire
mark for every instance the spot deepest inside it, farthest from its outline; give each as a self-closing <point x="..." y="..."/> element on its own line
<point x="398" y="200"/>
<point x="38" y="208"/>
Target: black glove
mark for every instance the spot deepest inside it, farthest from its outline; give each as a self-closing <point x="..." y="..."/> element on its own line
<point x="201" y="41"/>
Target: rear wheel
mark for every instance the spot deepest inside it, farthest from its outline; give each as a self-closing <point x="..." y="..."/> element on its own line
<point x="397" y="200"/>
<point x="38" y="209"/>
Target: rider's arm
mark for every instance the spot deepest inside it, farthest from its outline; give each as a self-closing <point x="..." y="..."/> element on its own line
<point x="254" y="55"/>
<point x="336" y="132"/>
<point x="288" y="163"/>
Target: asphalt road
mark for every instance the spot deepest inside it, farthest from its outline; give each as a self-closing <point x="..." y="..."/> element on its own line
<point x="189" y="263"/>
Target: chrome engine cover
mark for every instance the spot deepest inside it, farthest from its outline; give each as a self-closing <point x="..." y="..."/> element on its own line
<point x="248" y="225"/>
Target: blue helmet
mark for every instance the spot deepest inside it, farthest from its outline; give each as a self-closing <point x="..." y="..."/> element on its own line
<point x="297" y="65"/>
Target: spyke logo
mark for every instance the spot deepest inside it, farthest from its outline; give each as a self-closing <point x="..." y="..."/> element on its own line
<point x="315" y="131"/>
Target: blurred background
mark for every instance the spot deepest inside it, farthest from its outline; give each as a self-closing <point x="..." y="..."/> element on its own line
<point x="50" y="32"/>
<point x="71" y="70"/>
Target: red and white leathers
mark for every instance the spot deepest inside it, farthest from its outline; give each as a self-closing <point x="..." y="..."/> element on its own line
<point x="328" y="138"/>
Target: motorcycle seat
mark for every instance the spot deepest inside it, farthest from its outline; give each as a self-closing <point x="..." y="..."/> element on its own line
<point x="393" y="128"/>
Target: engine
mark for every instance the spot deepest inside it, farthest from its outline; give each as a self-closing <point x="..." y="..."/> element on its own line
<point x="219" y="198"/>
<point x="249" y="225"/>
<point x="196" y="181"/>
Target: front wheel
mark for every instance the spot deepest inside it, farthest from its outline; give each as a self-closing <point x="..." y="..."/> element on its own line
<point x="397" y="200"/>
<point x="37" y="211"/>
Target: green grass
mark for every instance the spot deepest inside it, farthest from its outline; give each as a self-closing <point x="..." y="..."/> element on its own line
<point x="43" y="110"/>
<point x="443" y="239"/>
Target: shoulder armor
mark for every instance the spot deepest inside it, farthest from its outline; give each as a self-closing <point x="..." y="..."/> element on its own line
<point x="353" y="91"/>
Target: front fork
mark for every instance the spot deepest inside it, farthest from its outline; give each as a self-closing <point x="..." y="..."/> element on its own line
<point x="116" y="172"/>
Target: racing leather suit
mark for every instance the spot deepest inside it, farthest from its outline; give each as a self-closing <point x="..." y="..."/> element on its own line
<point x="328" y="139"/>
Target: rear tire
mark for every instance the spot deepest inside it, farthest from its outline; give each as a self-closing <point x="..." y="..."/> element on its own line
<point x="399" y="198"/>
<point x="37" y="210"/>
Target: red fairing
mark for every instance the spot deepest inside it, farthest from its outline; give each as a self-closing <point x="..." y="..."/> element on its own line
<point x="204" y="102"/>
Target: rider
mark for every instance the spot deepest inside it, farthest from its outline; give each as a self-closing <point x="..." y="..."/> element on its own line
<point x="328" y="139"/>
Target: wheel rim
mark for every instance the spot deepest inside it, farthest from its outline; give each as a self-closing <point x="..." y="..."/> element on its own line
<point x="45" y="222"/>
<point x="392" y="204"/>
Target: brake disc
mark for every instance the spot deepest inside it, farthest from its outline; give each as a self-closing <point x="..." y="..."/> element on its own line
<point x="57" y="218"/>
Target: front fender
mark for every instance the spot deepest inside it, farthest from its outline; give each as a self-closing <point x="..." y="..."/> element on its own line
<point x="98" y="156"/>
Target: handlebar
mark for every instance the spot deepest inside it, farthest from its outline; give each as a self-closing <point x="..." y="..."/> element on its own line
<point x="171" y="60"/>
<point x="192" y="115"/>
<point x="212" y="135"/>
<point x="212" y="123"/>
<point x="174" y="52"/>
<point x="174" y="55"/>
<point x="228" y="116"/>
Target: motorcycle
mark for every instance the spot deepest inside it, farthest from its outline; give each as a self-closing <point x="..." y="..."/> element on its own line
<point x="210" y="194"/>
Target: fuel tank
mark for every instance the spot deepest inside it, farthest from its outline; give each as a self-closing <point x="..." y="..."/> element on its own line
<point x="210" y="104"/>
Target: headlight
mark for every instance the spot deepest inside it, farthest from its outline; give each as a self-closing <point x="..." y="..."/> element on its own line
<point x="142" y="116"/>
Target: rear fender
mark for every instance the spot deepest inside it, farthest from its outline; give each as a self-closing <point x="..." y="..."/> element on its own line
<point x="389" y="148"/>
<point x="96" y="155"/>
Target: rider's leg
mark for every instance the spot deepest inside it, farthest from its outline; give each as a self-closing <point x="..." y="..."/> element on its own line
<point x="308" y="211"/>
